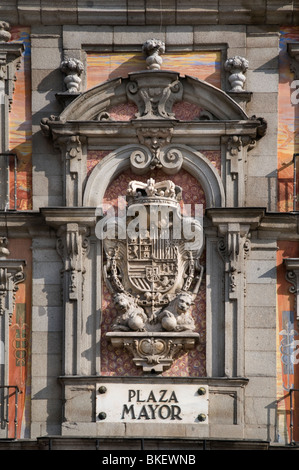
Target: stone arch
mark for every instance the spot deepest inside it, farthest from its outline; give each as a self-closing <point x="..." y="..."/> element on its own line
<point x="119" y="160"/>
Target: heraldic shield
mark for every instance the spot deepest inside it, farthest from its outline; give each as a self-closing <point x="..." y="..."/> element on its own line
<point x="153" y="271"/>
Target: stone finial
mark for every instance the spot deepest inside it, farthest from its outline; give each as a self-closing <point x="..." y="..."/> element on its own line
<point x="73" y="68"/>
<point x="4" y="31"/>
<point x="236" y="66"/>
<point x="153" y="48"/>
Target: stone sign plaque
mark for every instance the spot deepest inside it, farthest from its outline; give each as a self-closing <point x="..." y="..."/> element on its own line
<point x="164" y="403"/>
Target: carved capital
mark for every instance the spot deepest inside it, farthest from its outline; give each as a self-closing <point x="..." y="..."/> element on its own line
<point x="73" y="246"/>
<point x="292" y="276"/>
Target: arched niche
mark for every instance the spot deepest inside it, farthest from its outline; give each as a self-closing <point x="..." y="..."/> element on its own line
<point x="118" y="161"/>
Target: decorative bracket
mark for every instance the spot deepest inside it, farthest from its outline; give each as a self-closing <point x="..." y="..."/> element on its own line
<point x="234" y="248"/>
<point x="73" y="246"/>
<point x="155" y="151"/>
<point x="292" y="276"/>
<point x="154" y="93"/>
<point x="11" y="274"/>
<point x="154" y="352"/>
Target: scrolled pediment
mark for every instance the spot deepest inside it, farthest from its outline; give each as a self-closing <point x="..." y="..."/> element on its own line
<point x="154" y="94"/>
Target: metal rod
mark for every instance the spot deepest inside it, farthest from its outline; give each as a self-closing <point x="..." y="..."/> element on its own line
<point x="15" y="181"/>
<point x="292" y="415"/>
<point x="17" y="391"/>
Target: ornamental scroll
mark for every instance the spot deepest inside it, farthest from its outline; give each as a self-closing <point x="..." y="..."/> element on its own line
<point x="153" y="271"/>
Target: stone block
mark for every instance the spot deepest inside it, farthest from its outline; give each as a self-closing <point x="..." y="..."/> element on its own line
<point x="261" y="387"/>
<point x="197" y="12"/>
<point x="260" y="363"/>
<point x="265" y="80"/>
<point x="262" y="165"/>
<point x="47" y="319"/>
<point x="46" y="80"/>
<point x="179" y="36"/>
<point x="75" y="36"/>
<point x="262" y="192"/>
<point x="46" y="410"/>
<point x="46" y="201"/>
<point x="260" y="339"/>
<point x="260" y="295"/>
<point x="161" y="13"/>
<point x="9" y="11"/>
<point x="261" y="102"/>
<point x="231" y="34"/>
<point x="262" y="36"/>
<point x="43" y="388"/>
<point x="78" y="403"/>
<point x="263" y="58"/>
<point x="136" y="36"/>
<point x="222" y="408"/>
<point x="41" y="58"/>
<point x="46" y="342"/>
<point x="57" y="12"/>
<point x="102" y="12"/>
<point x="234" y="12"/>
<point x="259" y="411"/>
<point x="257" y="317"/>
<point x="44" y="184"/>
<point x="136" y="12"/>
<point x="45" y="296"/>
<point x="29" y="12"/>
<point x="46" y="273"/>
<point x="279" y="12"/>
<point x="260" y="272"/>
<point x="44" y="365"/>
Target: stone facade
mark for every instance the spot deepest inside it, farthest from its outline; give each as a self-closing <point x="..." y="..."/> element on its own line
<point x="181" y="105"/>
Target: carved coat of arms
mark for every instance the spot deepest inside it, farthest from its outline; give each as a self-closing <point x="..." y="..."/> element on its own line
<point x="153" y="269"/>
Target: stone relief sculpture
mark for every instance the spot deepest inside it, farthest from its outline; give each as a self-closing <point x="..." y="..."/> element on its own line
<point x="236" y="66"/>
<point x="73" y="69"/>
<point x="153" y="48"/>
<point x="153" y="270"/>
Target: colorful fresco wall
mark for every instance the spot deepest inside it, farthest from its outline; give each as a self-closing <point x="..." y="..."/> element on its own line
<point x="20" y="129"/>
<point x="287" y="326"/>
<point x="20" y="144"/>
<point x="19" y="342"/>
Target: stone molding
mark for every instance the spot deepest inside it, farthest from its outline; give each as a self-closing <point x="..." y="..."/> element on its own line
<point x="78" y="12"/>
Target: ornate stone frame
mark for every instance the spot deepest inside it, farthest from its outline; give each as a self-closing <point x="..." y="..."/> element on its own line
<point x="85" y="123"/>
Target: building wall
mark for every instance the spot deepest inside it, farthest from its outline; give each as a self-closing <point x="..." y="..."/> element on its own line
<point x="197" y="44"/>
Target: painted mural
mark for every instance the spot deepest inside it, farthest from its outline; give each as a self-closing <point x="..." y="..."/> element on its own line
<point x="20" y="144"/>
<point x="287" y="325"/>
<point x="19" y="343"/>
<point x="20" y="129"/>
<point x="204" y="65"/>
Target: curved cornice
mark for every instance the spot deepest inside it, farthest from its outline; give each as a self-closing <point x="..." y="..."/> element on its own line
<point x="99" y="99"/>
